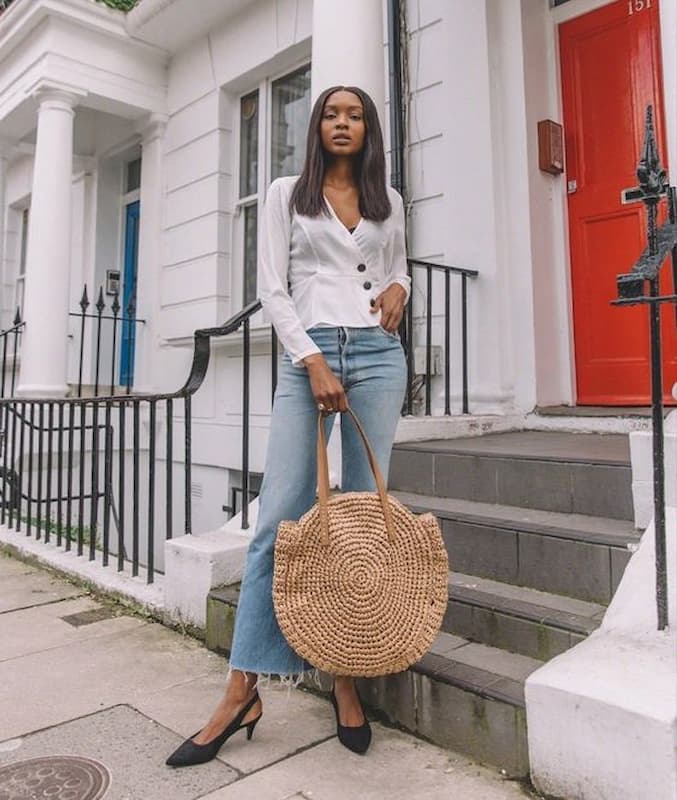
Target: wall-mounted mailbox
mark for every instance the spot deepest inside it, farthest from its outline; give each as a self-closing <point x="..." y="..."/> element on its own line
<point x="550" y="147"/>
<point x="112" y="281"/>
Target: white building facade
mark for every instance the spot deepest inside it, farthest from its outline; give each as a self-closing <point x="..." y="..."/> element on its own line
<point x="136" y="149"/>
<point x="145" y="158"/>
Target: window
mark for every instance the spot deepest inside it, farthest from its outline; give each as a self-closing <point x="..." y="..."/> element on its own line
<point x="21" y="272"/>
<point x="133" y="177"/>
<point x="277" y="113"/>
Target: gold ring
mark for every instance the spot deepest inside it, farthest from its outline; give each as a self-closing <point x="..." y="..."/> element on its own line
<point x="320" y="406"/>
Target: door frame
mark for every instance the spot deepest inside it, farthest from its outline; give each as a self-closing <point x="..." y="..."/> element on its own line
<point x="564" y="13"/>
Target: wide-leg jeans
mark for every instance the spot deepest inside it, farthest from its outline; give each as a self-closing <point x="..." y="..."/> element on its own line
<point x="371" y="366"/>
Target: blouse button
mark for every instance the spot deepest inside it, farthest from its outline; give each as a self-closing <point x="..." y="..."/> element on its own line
<point x="367" y="285"/>
<point x="361" y="267"/>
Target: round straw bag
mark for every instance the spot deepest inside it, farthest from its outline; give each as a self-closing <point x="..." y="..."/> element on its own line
<point x="360" y="583"/>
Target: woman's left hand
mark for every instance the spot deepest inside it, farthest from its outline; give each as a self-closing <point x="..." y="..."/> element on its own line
<point x="391" y="303"/>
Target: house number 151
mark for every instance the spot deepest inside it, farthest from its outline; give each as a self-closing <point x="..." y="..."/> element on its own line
<point x="635" y="6"/>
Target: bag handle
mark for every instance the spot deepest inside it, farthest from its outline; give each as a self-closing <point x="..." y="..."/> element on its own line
<point x="323" y="478"/>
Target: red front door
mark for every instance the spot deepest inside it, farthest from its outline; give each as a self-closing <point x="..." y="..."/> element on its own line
<point x="611" y="70"/>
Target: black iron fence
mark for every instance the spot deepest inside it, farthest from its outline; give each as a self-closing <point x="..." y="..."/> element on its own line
<point x="110" y="476"/>
<point x="641" y="286"/>
<point x="103" y="475"/>
<point x="86" y="473"/>
<point x="107" y="341"/>
<point x="422" y="378"/>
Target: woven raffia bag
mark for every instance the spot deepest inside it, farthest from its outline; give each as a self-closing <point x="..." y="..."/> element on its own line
<point x="360" y="582"/>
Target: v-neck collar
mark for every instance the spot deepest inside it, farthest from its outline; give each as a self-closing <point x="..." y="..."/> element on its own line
<point x="338" y="219"/>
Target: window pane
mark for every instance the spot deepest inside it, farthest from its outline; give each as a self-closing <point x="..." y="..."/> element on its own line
<point x="133" y="175"/>
<point x="24" y="242"/>
<point x="291" y="111"/>
<point x="19" y="296"/>
<point x="249" y="143"/>
<point x="250" y="224"/>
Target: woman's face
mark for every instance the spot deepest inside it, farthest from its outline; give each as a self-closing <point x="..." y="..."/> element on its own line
<point x="342" y="129"/>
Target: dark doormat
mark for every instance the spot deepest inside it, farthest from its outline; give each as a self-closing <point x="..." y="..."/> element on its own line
<point x="116" y="754"/>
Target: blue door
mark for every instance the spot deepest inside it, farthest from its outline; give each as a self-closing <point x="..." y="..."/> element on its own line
<point x="129" y="294"/>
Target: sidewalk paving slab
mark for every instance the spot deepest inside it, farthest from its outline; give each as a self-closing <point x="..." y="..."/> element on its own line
<point x="44" y="588"/>
<point x="397" y="767"/>
<point x="43" y="627"/>
<point x="127" y="744"/>
<point x="126" y="692"/>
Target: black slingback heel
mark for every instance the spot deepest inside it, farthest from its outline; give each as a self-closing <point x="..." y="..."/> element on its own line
<point x="355" y="738"/>
<point x="190" y="753"/>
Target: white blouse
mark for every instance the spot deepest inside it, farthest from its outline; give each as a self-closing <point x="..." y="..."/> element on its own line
<point x="313" y="271"/>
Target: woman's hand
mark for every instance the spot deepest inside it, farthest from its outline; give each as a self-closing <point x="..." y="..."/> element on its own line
<point x="391" y="303"/>
<point x="325" y="386"/>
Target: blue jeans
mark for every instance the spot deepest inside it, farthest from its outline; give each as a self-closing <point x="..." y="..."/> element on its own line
<point x="370" y="364"/>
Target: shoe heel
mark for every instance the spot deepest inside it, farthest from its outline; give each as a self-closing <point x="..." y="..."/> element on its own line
<point x="250" y="728"/>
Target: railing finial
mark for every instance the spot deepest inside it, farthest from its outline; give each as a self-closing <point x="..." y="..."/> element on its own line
<point x="84" y="300"/>
<point x="652" y="176"/>
<point x="17" y="317"/>
<point x="100" y="303"/>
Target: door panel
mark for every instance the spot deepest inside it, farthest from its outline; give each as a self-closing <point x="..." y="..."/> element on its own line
<point x="128" y="337"/>
<point x="611" y="71"/>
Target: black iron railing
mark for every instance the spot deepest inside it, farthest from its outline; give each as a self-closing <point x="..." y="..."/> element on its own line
<point x="88" y="472"/>
<point x="83" y="473"/>
<point x="102" y="333"/>
<point x="423" y="380"/>
<point x="653" y="190"/>
<point x="9" y="353"/>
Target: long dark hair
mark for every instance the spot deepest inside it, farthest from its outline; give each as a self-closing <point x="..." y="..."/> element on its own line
<point x="369" y="167"/>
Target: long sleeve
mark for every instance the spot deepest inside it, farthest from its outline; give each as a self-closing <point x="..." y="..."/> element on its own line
<point x="273" y="266"/>
<point x="397" y="269"/>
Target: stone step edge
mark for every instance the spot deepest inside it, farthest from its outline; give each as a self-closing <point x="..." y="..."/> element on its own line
<point x="524" y="609"/>
<point x="444" y="669"/>
<point x="475" y="680"/>
<point x="419" y="447"/>
<point x="422" y="503"/>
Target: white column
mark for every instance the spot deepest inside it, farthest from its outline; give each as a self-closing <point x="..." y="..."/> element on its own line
<point x="348" y="48"/>
<point x="46" y="299"/>
<point x="149" y="255"/>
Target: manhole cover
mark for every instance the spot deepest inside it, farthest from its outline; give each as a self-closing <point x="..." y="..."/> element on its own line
<point x="54" y="778"/>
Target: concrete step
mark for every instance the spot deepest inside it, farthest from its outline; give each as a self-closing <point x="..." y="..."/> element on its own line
<point x="462" y="695"/>
<point x="517" y="619"/>
<point x="579" y="473"/>
<point x="569" y="554"/>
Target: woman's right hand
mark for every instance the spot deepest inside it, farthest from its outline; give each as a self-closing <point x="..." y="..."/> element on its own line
<point x="325" y="386"/>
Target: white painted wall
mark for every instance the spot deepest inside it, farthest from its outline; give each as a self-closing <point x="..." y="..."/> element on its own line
<point x="553" y="339"/>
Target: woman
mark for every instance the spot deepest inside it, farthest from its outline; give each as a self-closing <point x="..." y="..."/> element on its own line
<point x="333" y="281"/>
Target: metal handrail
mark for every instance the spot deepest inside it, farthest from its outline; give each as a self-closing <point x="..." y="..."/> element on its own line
<point x="408" y="332"/>
<point x="61" y="438"/>
<point x="641" y="286"/>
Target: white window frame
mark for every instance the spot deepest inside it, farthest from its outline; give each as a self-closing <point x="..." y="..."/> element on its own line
<point x="265" y="109"/>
